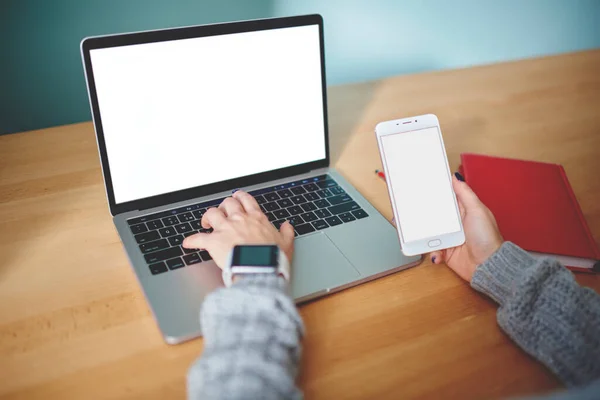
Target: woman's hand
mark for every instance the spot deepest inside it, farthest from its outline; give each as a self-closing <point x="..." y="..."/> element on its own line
<point x="482" y="237"/>
<point x="239" y="220"/>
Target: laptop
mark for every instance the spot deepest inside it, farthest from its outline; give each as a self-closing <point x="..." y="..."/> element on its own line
<point x="185" y="116"/>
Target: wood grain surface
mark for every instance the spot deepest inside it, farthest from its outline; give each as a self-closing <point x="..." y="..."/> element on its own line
<point x="74" y="324"/>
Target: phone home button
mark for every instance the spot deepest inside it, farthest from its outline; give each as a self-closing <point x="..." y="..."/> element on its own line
<point x="434" y="243"/>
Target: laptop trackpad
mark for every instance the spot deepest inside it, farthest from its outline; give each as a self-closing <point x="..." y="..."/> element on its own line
<point x="319" y="265"/>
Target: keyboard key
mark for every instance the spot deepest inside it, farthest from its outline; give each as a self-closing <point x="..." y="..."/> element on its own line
<point x="170" y="221"/>
<point x="156" y="224"/>
<point x="262" y="208"/>
<point x="285" y="193"/>
<point x="311" y="187"/>
<point x="205" y="255"/>
<point x="175" y="263"/>
<point x="325" y="193"/>
<point x="298" y="190"/>
<point x="311" y="196"/>
<point x="158" y="268"/>
<point x="186" y="217"/>
<point x="271" y="196"/>
<point x="281" y="214"/>
<point x="193" y="258"/>
<point x="176" y="240"/>
<point x="271" y="217"/>
<point x="147" y="237"/>
<point x="168" y="231"/>
<point x="154" y="246"/>
<point x="277" y="224"/>
<point x="336" y="190"/>
<point x="304" y="229"/>
<point x="139" y="228"/>
<point x="284" y="203"/>
<point x="309" y="217"/>
<point x="196" y="224"/>
<point x="260" y="200"/>
<point x="295" y="210"/>
<point x="360" y="214"/>
<point x="162" y="255"/>
<point x="135" y="221"/>
<point x="271" y="206"/>
<point x="322" y="213"/>
<point x="298" y="199"/>
<point x="320" y="224"/>
<point x="308" y="207"/>
<point x="296" y="220"/>
<point x="326" y="183"/>
<point x="346" y="217"/>
<point x="190" y="233"/>
<point x="183" y="228"/>
<point x="333" y="221"/>
<point x="339" y="199"/>
<point x="344" y="207"/>
<point x="199" y="213"/>
<point x="322" y="203"/>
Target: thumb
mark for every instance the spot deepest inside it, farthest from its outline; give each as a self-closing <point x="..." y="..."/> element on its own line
<point x="287" y="231"/>
<point x="197" y="241"/>
<point x="464" y="194"/>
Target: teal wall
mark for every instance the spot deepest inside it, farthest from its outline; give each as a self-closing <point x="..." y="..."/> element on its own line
<point x="42" y="83"/>
<point x="366" y="40"/>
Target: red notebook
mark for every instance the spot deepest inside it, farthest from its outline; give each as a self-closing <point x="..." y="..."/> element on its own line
<point x="534" y="205"/>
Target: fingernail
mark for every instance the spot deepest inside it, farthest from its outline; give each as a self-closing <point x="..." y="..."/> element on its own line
<point x="459" y="176"/>
<point x="433" y="259"/>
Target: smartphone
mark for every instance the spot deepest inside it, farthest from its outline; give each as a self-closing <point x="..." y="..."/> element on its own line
<point x="419" y="184"/>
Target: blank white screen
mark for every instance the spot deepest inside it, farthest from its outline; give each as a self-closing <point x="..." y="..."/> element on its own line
<point x="191" y="112"/>
<point x="421" y="188"/>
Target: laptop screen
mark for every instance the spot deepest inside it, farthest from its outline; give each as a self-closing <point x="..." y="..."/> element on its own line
<point x="185" y="113"/>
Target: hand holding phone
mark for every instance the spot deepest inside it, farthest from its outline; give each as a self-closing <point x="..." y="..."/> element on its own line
<point x="482" y="237"/>
<point x="419" y="184"/>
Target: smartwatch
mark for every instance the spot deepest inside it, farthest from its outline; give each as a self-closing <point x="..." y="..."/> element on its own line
<point x="255" y="259"/>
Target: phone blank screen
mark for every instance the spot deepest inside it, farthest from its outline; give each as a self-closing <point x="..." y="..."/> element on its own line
<point x="421" y="187"/>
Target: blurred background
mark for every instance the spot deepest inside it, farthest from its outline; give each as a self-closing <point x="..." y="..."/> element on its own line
<point x="42" y="82"/>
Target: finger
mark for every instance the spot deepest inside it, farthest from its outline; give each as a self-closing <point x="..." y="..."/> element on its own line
<point x="213" y="218"/>
<point x="287" y="231"/>
<point x="230" y="207"/>
<point x="461" y="209"/>
<point x="197" y="241"/>
<point x="464" y="194"/>
<point x="436" y="257"/>
<point x="247" y="201"/>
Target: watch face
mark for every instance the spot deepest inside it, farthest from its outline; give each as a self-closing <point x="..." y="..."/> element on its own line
<point x="255" y="256"/>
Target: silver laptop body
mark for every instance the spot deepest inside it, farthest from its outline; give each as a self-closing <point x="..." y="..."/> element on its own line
<point x="184" y="116"/>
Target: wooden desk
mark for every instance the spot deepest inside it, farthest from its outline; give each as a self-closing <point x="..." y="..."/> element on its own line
<point x="74" y="324"/>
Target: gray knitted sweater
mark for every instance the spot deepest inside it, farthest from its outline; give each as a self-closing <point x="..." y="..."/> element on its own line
<point x="252" y="330"/>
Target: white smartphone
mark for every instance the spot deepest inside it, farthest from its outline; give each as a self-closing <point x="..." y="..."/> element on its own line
<point x="420" y="184"/>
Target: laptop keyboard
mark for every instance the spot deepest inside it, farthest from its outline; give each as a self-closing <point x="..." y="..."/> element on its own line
<point x="310" y="205"/>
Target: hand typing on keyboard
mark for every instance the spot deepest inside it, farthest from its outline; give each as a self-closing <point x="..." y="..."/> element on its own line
<point x="310" y="205"/>
<point x="239" y="220"/>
